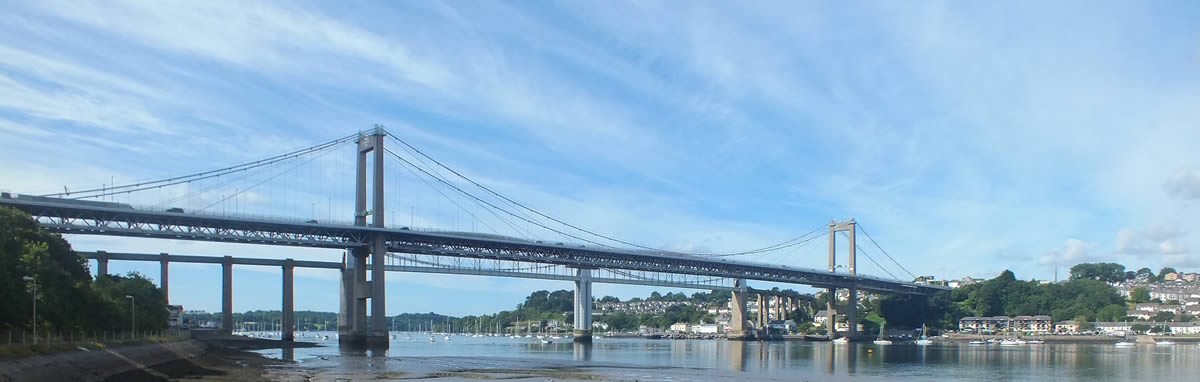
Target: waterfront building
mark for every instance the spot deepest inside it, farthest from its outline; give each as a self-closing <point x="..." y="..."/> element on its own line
<point x="985" y="324"/>
<point x="681" y="327"/>
<point x="821" y="317"/>
<point x="1119" y="329"/>
<point x="174" y="316"/>
<point x="1037" y="324"/>
<point x="1067" y="327"/>
<point x="1183" y="328"/>
<point x="708" y="329"/>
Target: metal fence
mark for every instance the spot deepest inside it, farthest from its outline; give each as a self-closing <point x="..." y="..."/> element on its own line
<point x="18" y="338"/>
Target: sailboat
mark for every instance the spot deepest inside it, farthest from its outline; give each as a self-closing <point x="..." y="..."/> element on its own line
<point x="924" y="340"/>
<point x="1164" y="342"/>
<point x="881" y="340"/>
<point x="1011" y="341"/>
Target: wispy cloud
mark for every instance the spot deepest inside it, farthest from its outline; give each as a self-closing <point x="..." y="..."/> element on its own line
<point x="963" y="136"/>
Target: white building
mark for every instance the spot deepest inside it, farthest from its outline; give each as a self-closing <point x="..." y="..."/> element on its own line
<point x="1119" y="329"/>
<point x="681" y="327"/>
<point x="1066" y="327"/>
<point x="1181" y="328"/>
<point x="707" y="329"/>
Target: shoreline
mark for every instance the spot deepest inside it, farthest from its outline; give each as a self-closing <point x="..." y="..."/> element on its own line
<point x="205" y="355"/>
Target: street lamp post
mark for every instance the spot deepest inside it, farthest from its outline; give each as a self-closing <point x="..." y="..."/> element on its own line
<point x="132" y="321"/>
<point x="35" y="336"/>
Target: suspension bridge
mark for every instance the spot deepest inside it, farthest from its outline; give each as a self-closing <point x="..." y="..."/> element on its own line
<point x="520" y="247"/>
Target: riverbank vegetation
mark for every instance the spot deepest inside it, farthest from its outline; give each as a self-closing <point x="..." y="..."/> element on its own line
<point x="68" y="300"/>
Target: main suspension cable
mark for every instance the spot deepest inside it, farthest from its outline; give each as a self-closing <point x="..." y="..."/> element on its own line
<point x="141" y="186"/>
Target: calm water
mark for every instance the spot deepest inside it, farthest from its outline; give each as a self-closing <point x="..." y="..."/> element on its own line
<point x="813" y="360"/>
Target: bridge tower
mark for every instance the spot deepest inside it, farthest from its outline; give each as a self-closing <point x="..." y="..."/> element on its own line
<point x="353" y="328"/>
<point x="851" y="308"/>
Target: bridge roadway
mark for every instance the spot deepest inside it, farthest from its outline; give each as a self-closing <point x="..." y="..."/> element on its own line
<point x="70" y="218"/>
<point x="98" y="218"/>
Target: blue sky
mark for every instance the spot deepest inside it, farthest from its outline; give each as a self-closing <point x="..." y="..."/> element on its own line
<point x="967" y="138"/>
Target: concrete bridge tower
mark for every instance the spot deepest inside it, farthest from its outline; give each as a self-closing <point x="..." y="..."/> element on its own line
<point x="851" y="308"/>
<point x="353" y="328"/>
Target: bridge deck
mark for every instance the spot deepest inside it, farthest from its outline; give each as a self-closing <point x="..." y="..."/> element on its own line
<point x="86" y="219"/>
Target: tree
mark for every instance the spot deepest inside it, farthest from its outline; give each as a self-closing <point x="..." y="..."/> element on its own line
<point x="150" y="304"/>
<point x="1084" y="324"/>
<point x="1106" y="272"/>
<point x="1171" y="302"/>
<point x="1139" y="295"/>
<point x="1144" y="272"/>
<point x="1139" y="328"/>
<point x="1163" y="317"/>
<point x="66" y="298"/>
<point x="1110" y="313"/>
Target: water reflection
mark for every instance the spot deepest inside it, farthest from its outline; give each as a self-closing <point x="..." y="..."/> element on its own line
<point x="805" y="360"/>
<point x="582" y="351"/>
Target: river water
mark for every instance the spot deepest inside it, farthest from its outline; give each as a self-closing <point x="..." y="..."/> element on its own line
<point x="796" y="360"/>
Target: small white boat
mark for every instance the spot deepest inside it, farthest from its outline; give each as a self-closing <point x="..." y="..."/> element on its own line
<point x="1164" y="343"/>
<point x="840" y="341"/>
<point x="881" y="340"/>
<point x="924" y="340"/>
<point x="977" y="342"/>
<point x="447" y="338"/>
<point x="1124" y="344"/>
<point x="1012" y="342"/>
<point x="1037" y="341"/>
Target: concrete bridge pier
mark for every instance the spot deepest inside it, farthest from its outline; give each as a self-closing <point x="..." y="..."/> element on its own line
<point x="737" y="330"/>
<point x="162" y="276"/>
<point x="852" y="313"/>
<point x="830" y="318"/>
<point x="762" y="315"/>
<point x="227" y="295"/>
<point x="101" y="263"/>
<point x="583" y="306"/>
<point x="288" y="324"/>
<point x="352" y="318"/>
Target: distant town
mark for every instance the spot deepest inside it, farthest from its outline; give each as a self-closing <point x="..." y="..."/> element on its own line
<point x="1121" y="304"/>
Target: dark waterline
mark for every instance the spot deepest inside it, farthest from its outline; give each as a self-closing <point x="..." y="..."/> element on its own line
<point x="817" y="360"/>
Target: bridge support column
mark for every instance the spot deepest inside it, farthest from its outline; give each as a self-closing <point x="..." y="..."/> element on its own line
<point x="227" y="295"/>
<point x="101" y="263"/>
<point x="737" y="321"/>
<point x="162" y="277"/>
<point x="830" y="317"/>
<point x="288" y="324"/>
<point x="779" y="308"/>
<point x="852" y="313"/>
<point x="583" y="306"/>
<point x="762" y="313"/>
<point x="377" y="337"/>
<point x="352" y="319"/>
